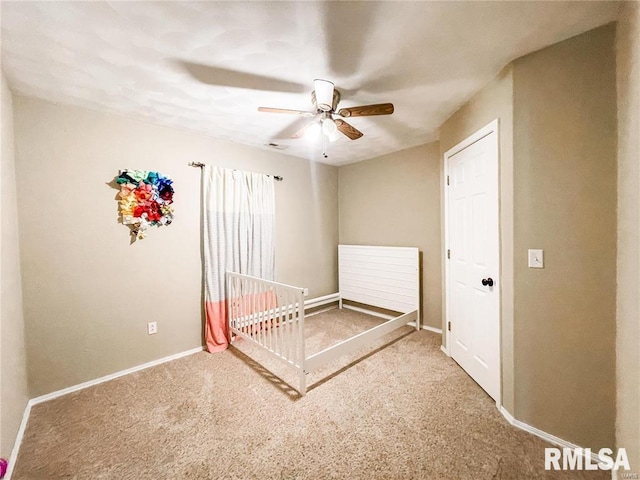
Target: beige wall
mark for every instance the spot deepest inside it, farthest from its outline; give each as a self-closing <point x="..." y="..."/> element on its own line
<point x="628" y="305"/>
<point x="557" y="116"/>
<point x="13" y="365"/>
<point x="495" y="101"/>
<point x="565" y="203"/>
<point x="394" y="200"/>
<point x="88" y="293"/>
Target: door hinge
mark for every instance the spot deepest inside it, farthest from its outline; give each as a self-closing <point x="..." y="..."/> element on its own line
<point x="448" y="254"/>
<point x="447" y="179"/>
<point x="449" y="326"/>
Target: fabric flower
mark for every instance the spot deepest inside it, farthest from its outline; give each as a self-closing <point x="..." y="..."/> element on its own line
<point x="153" y="212"/>
<point x="166" y="193"/>
<point x="124" y="177"/>
<point x="145" y="199"/>
<point x="137" y="175"/>
<point x="144" y="192"/>
<point x="152" y="178"/>
<point x="128" y="219"/>
<point x="127" y="207"/>
<point x="126" y="189"/>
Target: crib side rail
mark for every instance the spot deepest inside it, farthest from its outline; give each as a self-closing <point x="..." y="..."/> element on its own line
<point x="269" y="314"/>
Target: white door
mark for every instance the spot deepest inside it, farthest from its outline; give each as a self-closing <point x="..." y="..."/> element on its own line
<point x="473" y="284"/>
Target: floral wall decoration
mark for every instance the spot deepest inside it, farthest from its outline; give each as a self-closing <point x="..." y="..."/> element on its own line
<point x="145" y="200"/>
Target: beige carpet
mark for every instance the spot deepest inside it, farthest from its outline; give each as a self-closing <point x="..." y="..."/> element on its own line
<point x="404" y="411"/>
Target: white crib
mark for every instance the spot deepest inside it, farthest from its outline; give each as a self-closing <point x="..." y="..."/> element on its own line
<point x="272" y="314"/>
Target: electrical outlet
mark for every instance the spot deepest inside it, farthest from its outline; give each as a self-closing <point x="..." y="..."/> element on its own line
<point x="305" y="292"/>
<point x="152" y="328"/>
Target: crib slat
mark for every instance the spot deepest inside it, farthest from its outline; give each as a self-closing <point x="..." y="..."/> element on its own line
<point x="296" y="338"/>
<point x="265" y="315"/>
<point x="269" y="309"/>
<point x="240" y="305"/>
<point x="299" y="307"/>
<point x="233" y="291"/>
<point x="252" y="301"/>
<point x="245" y="306"/>
<point x="292" y="324"/>
<point x="262" y="316"/>
<point x="252" y="313"/>
<point x="280" y="328"/>
<point x="292" y="321"/>
<point x="302" y="340"/>
<point x="285" y="326"/>
<point x="288" y="323"/>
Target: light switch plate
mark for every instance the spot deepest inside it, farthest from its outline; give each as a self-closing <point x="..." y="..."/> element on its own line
<point x="536" y="258"/>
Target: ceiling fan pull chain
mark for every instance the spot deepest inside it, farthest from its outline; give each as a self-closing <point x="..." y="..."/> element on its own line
<point x="324" y="146"/>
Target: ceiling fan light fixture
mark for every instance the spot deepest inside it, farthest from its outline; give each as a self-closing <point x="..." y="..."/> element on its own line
<point x="329" y="127"/>
<point x="324" y="94"/>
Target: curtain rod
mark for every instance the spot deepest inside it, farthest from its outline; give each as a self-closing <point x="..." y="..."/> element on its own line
<point x="278" y="178"/>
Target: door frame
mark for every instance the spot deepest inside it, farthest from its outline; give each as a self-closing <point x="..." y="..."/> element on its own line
<point x="492" y="127"/>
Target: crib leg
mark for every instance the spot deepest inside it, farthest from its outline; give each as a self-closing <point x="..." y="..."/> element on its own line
<point x="303" y="382"/>
<point x="340" y="303"/>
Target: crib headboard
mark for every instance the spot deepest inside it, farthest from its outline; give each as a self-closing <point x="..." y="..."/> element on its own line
<point x="384" y="277"/>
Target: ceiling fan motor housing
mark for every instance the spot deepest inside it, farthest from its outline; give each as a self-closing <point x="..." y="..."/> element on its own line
<point x="322" y="108"/>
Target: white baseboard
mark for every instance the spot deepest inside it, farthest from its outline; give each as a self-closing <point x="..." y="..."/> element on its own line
<point x="18" y="441"/>
<point x="444" y="350"/>
<point x="507" y="415"/>
<point x="322" y="310"/>
<point x="319" y="301"/>
<point x="112" y="376"/>
<point x="75" y="388"/>
<point x="432" y="329"/>
<point x="542" y="434"/>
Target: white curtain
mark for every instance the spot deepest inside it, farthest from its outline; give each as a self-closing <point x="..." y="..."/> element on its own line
<point x="238" y="231"/>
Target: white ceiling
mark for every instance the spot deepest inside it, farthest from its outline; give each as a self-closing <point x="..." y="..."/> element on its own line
<point x="207" y="66"/>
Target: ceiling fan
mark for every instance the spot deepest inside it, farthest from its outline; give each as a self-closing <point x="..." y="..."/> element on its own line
<point x="325" y="98"/>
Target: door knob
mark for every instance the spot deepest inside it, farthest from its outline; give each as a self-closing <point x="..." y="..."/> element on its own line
<point x="487" y="281"/>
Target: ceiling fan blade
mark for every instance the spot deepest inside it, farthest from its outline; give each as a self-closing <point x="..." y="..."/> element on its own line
<point x="232" y="78"/>
<point x="292" y="128"/>
<point x="348" y="130"/>
<point x="285" y="110"/>
<point x="301" y="133"/>
<point x="367" y="110"/>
